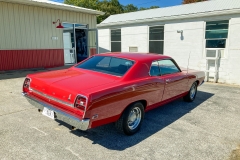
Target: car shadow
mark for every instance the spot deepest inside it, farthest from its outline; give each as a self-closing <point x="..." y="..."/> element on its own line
<point x="154" y="121"/>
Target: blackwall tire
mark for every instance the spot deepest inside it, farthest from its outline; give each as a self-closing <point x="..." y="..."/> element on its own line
<point x="130" y="121"/>
<point x="191" y="93"/>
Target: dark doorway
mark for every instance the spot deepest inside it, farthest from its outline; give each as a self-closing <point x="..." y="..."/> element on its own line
<point x="81" y="44"/>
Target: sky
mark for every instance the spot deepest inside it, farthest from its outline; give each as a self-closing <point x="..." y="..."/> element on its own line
<point x="147" y="3"/>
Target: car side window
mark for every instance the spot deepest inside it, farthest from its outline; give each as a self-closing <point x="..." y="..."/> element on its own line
<point x="167" y="67"/>
<point x="154" y="70"/>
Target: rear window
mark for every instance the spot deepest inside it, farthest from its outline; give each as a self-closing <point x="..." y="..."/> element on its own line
<point x="109" y="65"/>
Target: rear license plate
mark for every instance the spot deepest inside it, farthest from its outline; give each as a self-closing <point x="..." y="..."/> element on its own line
<point x="47" y="112"/>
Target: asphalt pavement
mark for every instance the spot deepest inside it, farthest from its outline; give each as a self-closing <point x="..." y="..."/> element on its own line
<point x="206" y="129"/>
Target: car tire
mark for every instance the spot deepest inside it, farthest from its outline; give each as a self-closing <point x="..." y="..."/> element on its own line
<point x="191" y="93"/>
<point x="130" y="121"/>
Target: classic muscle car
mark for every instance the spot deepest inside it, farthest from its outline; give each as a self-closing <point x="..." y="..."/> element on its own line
<point x="112" y="87"/>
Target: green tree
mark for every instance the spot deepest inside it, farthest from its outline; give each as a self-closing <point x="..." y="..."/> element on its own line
<point x="92" y="4"/>
<point x="130" y="8"/>
<point x="110" y="7"/>
<point x="192" y="1"/>
<point x="152" y="7"/>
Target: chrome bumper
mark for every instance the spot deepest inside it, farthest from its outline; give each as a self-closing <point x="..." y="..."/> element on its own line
<point x="73" y="121"/>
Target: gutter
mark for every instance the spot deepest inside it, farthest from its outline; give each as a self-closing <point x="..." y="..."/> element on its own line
<point x="186" y="16"/>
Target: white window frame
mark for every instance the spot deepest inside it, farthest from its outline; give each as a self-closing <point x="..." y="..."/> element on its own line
<point x="227" y="39"/>
<point x="110" y="37"/>
<point x="155" y="40"/>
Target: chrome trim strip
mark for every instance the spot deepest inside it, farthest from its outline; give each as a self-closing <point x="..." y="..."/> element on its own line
<point x="52" y="98"/>
<point x="82" y="124"/>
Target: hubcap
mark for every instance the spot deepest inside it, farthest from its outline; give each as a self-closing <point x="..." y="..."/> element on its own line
<point x="134" y="118"/>
<point x="193" y="91"/>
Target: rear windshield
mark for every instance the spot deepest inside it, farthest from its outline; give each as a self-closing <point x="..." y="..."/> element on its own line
<point x="105" y="64"/>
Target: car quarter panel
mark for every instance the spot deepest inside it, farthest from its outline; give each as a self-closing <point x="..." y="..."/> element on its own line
<point x="109" y="104"/>
<point x="193" y="76"/>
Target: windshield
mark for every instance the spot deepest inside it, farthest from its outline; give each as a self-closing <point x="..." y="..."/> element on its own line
<point x="105" y="64"/>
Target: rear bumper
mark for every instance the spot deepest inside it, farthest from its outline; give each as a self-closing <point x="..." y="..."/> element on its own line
<point x="69" y="119"/>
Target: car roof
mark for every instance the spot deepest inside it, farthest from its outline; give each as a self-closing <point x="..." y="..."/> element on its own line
<point x="135" y="56"/>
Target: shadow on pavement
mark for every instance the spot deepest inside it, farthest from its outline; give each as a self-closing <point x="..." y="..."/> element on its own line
<point x="24" y="73"/>
<point x="155" y="120"/>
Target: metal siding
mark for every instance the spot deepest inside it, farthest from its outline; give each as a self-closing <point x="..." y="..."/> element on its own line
<point x="53" y="18"/>
<point x="28" y="27"/>
<point x="49" y="28"/>
<point x="31" y="30"/>
<point x="26" y="33"/>
<point x="17" y="30"/>
<point x="23" y="59"/>
<point x="2" y="32"/>
<point x="21" y="23"/>
<point x="5" y="25"/>
<point x="12" y="40"/>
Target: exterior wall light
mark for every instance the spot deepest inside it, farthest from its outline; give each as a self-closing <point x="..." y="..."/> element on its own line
<point x="179" y="31"/>
<point x="59" y="25"/>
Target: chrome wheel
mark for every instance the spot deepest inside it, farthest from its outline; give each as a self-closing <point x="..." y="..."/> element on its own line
<point x="193" y="91"/>
<point x="134" y="118"/>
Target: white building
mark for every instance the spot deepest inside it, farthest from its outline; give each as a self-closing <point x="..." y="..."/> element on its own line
<point x="192" y="32"/>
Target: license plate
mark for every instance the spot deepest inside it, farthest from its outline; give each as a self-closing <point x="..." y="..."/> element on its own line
<point x="47" y="112"/>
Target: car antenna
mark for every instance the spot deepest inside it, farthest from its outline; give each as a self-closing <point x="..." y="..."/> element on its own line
<point x="188" y="61"/>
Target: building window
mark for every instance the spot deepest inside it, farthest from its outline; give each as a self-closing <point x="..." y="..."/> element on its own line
<point x="116" y="40"/>
<point x="156" y="39"/>
<point x="216" y="34"/>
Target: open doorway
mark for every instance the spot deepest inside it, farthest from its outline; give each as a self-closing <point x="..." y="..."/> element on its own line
<point x="81" y="37"/>
<point x="79" y="42"/>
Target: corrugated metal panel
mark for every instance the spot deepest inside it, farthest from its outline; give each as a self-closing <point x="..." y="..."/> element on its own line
<point x="30" y="27"/>
<point x="194" y="8"/>
<point x="23" y="59"/>
<point x="26" y="35"/>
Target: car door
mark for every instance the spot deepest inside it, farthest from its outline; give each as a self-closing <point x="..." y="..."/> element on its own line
<point x="157" y="84"/>
<point x="174" y="79"/>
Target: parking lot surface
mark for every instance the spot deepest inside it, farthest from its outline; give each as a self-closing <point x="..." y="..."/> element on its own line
<point x="208" y="128"/>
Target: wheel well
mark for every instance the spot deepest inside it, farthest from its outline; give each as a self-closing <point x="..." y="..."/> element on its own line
<point x="144" y="102"/>
<point x="197" y="82"/>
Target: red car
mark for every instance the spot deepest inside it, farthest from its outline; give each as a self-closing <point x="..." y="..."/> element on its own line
<point x="113" y="87"/>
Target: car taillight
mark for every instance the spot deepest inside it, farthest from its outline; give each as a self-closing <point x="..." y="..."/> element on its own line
<point x="80" y="102"/>
<point x="26" y="85"/>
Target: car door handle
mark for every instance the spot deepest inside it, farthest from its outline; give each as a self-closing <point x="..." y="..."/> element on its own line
<point x="168" y="80"/>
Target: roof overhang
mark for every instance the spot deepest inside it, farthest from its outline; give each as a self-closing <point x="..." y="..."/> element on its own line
<point x="54" y="5"/>
<point x="169" y="18"/>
